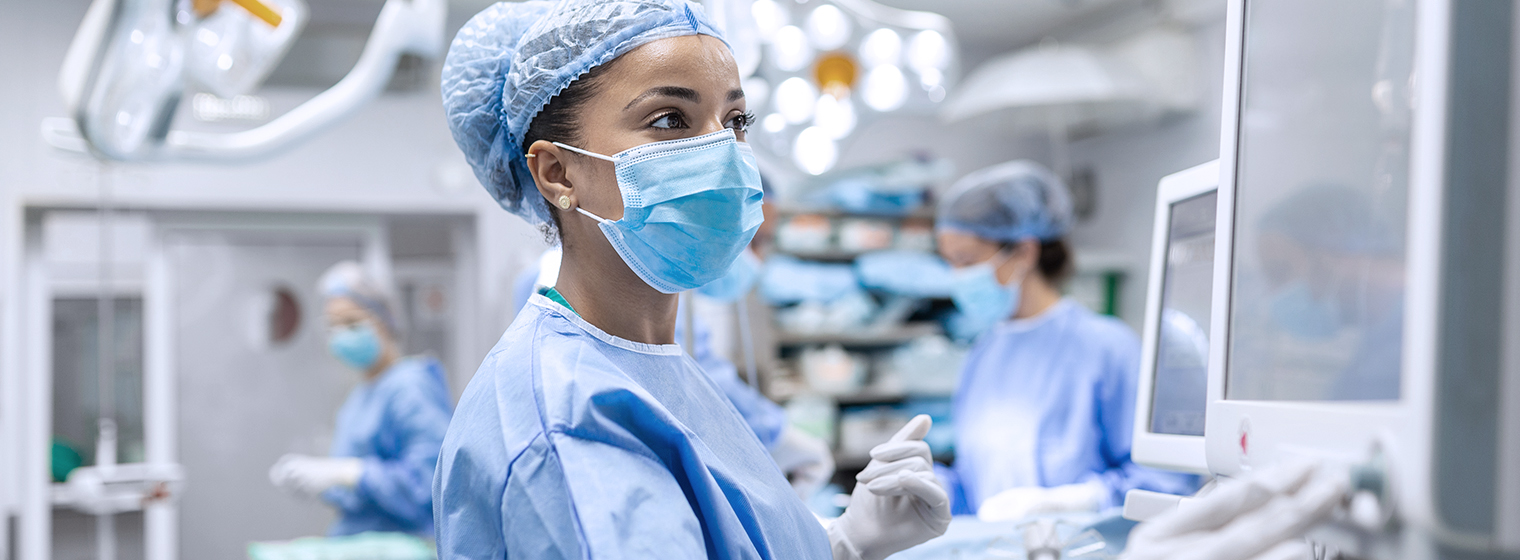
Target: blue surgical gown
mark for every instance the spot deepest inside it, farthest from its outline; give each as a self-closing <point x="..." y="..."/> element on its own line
<point x="1047" y="401"/>
<point x="572" y="443"/>
<point x="765" y="417"/>
<point x="395" y="423"/>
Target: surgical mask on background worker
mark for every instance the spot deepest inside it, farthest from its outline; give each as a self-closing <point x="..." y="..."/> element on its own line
<point x="357" y="345"/>
<point x="980" y="294"/>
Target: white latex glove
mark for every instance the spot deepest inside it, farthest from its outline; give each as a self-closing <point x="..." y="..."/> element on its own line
<point x="1017" y="503"/>
<point x="312" y="476"/>
<point x="804" y="459"/>
<point x="897" y="502"/>
<point x="1260" y="516"/>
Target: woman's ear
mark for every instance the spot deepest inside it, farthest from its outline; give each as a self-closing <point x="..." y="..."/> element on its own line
<point x="1024" y="259"/>
<point x="1027" y="253"/>
<point x="547" y="164"/>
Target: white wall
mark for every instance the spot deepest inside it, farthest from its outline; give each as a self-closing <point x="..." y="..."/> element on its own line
<point x="1130" y="162"/>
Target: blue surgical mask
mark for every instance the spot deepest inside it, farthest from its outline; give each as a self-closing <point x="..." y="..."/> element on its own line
<point x="690" y="206"/>
<point x="981" y="298"/>
<point x="1298" y="312"/>
<point x="736" y="282"/>
<point x="357" y="346"/>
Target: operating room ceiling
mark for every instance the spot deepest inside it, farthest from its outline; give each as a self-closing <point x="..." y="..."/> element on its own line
<point x="987" y="27"/>
<point x="337" y="29"/>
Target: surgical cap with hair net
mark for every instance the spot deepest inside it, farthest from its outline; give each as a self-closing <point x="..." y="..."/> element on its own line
<point x="348" y="280"/>
<point x="513" y="57"/>
<point x="1008" y="202"/>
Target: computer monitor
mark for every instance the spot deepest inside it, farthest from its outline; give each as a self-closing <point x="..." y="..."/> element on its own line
<point x="1172" y="390"/>
<point x="1367" y="284"/>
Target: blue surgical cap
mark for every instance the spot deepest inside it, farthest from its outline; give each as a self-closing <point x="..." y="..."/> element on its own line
<point x="512" y="58"/>
<point x="1008" y="202"/>
<point x="347" y="279"/>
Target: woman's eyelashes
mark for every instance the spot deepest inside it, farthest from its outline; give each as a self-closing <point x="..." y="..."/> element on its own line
<point x="740" y="123"/>
<point x="674" y="120"/>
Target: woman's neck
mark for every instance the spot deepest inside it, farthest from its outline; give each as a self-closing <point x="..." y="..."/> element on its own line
<point x="388" y="357"/>
<point x="607" y="294"/>
<point x="1037" y="296"/>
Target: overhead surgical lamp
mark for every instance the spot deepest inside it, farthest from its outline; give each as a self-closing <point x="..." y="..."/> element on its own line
<point x="1080" y="86"/>
<point x="827" y="67"/>
<point x="1056" y="88"/>
<point x="132" y="61"/>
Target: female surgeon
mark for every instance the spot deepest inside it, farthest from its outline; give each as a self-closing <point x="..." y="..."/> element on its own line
<point x="1043" y="411"/>
<point x="385" y="446"/>
<point x="618" y="126"/>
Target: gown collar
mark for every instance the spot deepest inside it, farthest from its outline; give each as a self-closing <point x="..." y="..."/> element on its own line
<point x="1031" y="323"/>
<point x="575" y="319"/>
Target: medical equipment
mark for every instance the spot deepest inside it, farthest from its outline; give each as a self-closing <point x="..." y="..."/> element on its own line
<point x="1170" y="397"/>
<point x="1417" y="379"/>
<point x="131" y="62"/>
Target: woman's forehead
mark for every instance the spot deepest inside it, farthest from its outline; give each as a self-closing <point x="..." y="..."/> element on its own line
<point x="699" y="62"/>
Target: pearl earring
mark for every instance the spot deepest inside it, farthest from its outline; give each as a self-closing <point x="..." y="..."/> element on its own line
<point x="564" y="202"/>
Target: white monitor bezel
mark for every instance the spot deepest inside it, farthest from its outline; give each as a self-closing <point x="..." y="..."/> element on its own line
<point x="1166" y="451"/>
<point x="1240" y="434"/>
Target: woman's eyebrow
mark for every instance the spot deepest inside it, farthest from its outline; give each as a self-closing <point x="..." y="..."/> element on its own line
<point x="683" y="93"/>
<point x="735" y="95"/>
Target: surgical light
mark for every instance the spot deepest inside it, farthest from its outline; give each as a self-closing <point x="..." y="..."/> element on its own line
<point x="881" y="47"/>
<point x="773" y="123"/>
<point x="756" y="92"/>
<point x="790" y="50"/>
<point x="835" y="73"/>
<point x="828" y="28"/>
<point x="835" y="116"/>
<point x="885" y="88"/>
<point x="930" y="78"/>
<point x="928" y="50"/>
<point x="794" y="100"/>
<point x="814" y="151"/>
<point x="128" y="66"/>
<point x="769" y="18"/>
<point x="234" y="50"/>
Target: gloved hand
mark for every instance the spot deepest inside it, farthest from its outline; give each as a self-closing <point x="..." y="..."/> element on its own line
<point x="1260" y="516"/>
<point x="897" y="502"/>
<point x="804" y="459"/>
<point x="1017" y="503"/>
<point x="312" y="476"/>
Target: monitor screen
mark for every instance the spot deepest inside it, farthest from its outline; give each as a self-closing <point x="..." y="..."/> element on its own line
<point x="1179" y="391"/>
<point x="1317" y="269"/>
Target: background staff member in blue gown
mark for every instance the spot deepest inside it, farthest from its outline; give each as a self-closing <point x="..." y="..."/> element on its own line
<point x="587" y="433"/>
<point x="1047" y="394"/>
<point x="385" y="445"/>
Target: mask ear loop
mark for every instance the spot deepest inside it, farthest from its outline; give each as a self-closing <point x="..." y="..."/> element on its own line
<point x="584" y="152"/>
<point x="599" y="219"/>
